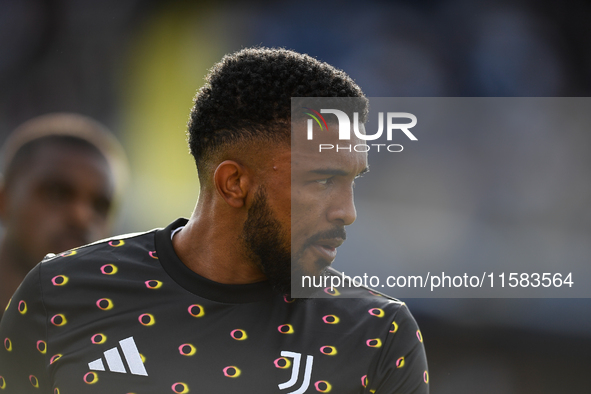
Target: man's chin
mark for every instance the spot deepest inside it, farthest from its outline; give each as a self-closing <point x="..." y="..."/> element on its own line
<point x="300" y="279"/>
<point x="311" y="266"/>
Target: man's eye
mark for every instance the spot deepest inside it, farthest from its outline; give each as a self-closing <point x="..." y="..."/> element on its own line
<point x="56" y="193"/>
<point x="325" y="181"/>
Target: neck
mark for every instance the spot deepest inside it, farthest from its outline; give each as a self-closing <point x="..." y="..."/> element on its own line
<point x="211" y="245"/>
<point x="12" y="272"/>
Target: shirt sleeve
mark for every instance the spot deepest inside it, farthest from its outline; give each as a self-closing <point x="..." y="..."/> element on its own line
<point x="401" y="367"/>
<point x="23" y="361"/>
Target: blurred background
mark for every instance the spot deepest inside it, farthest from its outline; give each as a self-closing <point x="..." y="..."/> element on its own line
<point x="135" y="66"/>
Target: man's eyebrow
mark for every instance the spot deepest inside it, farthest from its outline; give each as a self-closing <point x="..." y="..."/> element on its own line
<point x="337" y="172"/>
<point x="329" y="171"/>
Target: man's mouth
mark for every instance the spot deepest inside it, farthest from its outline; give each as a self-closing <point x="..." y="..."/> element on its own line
<point x="69" y="241"/>
<point x="327" y="248"/>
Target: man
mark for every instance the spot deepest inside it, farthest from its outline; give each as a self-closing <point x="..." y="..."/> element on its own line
<point x="200" y="306"/>
<point x="57" y="191"/>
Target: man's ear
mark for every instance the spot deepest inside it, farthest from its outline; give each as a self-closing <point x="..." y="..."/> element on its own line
<point x="232" y="181"/>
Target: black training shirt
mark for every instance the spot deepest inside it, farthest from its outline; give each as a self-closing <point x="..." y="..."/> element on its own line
<point x="125" y="315"/>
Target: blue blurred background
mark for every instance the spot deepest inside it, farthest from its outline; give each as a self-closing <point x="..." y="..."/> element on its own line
<point x="135" y="66"/>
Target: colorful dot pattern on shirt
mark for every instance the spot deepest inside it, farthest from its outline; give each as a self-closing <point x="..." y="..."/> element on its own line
<point x="323" y="386"/>
<point x="180" y="388"/>
<point x="186" y="349"/>
<point x="233" y="344"/>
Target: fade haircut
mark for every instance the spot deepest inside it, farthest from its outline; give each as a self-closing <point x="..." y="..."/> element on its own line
<point x="247" y="96"/>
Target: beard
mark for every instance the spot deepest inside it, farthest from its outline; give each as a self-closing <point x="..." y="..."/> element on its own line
<point x="268" y="244"/>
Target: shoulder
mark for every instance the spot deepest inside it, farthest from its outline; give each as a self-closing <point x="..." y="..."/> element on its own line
<point x="344" y="287"/>
<point x="123" y="243"/>
<point x="387" y="325"/>
<point x="363" y="308"/>
<point x="106" y="256"/>
<point x="358" y="306"/>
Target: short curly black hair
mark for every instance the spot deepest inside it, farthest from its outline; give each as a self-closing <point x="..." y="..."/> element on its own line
<point x="247" y="96"/>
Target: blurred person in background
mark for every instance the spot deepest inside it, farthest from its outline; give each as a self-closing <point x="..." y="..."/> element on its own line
<point x="57" y="191"/>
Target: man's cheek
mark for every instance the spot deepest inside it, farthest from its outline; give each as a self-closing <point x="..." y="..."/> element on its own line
<point x="33" y="224"/>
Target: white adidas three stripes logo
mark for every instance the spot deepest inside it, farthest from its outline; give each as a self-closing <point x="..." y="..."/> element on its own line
<point x="115" y="362"/>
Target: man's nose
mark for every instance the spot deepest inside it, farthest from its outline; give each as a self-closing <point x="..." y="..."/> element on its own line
<point x="82" y="214"/>
<point x="342" y="208"/>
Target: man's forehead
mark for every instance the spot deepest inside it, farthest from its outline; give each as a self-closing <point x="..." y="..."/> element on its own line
<point x="341" y="159"/>
<point x="68" y="164"/>
<point x="55" y="153"/>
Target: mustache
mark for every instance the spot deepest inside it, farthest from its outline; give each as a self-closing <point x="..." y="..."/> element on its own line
<point x="337" y="232"/>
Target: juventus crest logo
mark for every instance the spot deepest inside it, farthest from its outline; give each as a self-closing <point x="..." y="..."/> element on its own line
<point x="295" y="372"/>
